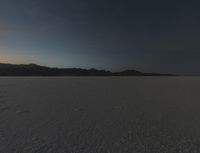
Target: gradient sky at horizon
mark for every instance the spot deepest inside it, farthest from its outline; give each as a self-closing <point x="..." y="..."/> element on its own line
<point x="147" y="35"/>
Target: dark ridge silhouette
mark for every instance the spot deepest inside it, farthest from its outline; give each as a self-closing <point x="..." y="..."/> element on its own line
<point x="37" y="70"/>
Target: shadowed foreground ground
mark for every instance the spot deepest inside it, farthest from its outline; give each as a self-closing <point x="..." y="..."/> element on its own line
<point x="100" y="115"/>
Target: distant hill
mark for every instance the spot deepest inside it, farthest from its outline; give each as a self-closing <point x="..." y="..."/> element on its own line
<point x="37" y="70"/>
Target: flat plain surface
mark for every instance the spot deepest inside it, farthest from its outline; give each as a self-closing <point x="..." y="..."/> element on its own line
<point x="100" y="115"/>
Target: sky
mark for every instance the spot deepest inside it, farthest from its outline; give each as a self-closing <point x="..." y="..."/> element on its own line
<point x="147" y="35"/>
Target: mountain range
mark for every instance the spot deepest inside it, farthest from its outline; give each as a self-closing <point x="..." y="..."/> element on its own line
<point x="37" y="70"/>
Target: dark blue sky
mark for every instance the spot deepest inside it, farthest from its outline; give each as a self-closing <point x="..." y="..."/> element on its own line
<point x="160" y="36"/>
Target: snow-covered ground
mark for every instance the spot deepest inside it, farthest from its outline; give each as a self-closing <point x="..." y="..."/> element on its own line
<point x="100" y="115"/>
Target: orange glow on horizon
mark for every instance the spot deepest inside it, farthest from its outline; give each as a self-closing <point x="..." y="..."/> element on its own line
<point x="13" y="58"/>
